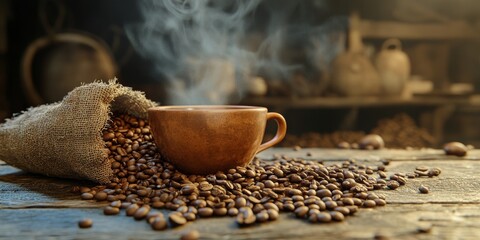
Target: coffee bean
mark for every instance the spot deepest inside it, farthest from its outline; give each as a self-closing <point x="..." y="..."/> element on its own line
<point x="130" y="211"/>
<point x="331" y="204"/>
<point x="455" y="148"/>
<point x="141" y="213"/>
<point x="232" y="212"/>
<point x="343" y="145"/>
<point x="87" y="196"/>
<point x="422" y="168"/>
<point x="262" y="216"/>
<point x="324" y="217"/>
<point x="372" y="140"/>
<point x="220" y="211"/>
<point x="380" y="202"/>
<point x="108" y="210"/>
<point x="116" y="204"/>
<point x="85" y="223"/>
<point x="159" y="223"/>
<point x="271" y="206"/>
<point x="191" y="235"/>
<point x="434" y="172"/>
<point x="205" y="212"/>
<point x="423" y="189"/>
<point x="369" y="204"/>
<point x="345" y="211"/>
<point x="337" y="216"/>
<point x="240" y="202"/>
<point x="245" y="217"/>
<point x="392" y="184"/>
<point x="272" y="214"/>
<point x="324" y="193"/>
<point x="278" y="172"/>
<point x="177" y="219"/>
<point x="101" y="196"/>
<point x="152" y="215"/>
<point x="301" y="212"/>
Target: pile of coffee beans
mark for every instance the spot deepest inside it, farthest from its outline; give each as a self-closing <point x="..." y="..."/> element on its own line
<point x="143" y="183"/>
<point x="400" y="131"/>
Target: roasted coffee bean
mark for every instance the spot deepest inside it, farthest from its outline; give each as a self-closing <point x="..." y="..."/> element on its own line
<point x="245" y="217"/>
<point x="343" y="145"/>
<point x="392" y="184"/>
<point x="422" y="168"/>
<point x="324" y="193"/>
<point x="369" y="204"/>
<point x="380" y="202"/>
<point x="101" y="196"/>
<point x="205" y="212"/>
<point x="116" y="204"/>
<point x="85" y="223"/>
<point x="142" y="212"/>
<point x="331" y="204"/>
<point x="190" y="216"/>
<point x="159" y="223"/>
<point x="423" y="189"/>
<point x="191" y="235"/>
<point x="324" y="217"/>
<point x="301" y="212"/>
<point x="130" y="211"/>
<point x="337" y="216"/>
<point x="177" y="219"/>
<point x="240" y="202"/>
<point x="372" y="140"/>
<point x="220" y="211"/>
<point x="262" y="216"/>
<point x="87" y="196"/>
<point x="455" y="148"/>
<point x="345" y="211"/>
<point x="352" y="209"/>
<point x="108" y="210"/>
<point x="272" y="214"/>
<point x="152" y="215"/>
<point x="232" y="212"/>
<point x="434" y="172"/>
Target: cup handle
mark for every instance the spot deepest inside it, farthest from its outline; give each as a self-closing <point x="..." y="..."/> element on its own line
<point x="281" y="131"/>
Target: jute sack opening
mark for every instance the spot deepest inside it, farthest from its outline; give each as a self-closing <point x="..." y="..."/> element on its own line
<point x="64" y="139"/>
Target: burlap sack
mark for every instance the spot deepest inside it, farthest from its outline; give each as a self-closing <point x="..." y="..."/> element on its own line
<point x="64" y="139"/>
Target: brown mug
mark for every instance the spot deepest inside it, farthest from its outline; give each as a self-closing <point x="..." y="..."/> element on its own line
<point x="206" y="139"/>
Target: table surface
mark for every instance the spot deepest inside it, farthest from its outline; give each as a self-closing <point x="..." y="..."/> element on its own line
<point x="38" y="207"/>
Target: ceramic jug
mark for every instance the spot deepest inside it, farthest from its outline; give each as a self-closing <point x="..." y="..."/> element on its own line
<point x="393" y="67"/>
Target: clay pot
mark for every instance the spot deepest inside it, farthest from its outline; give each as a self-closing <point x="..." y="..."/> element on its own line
<point x="352" y="72"/>
<point x="393" y="67"/>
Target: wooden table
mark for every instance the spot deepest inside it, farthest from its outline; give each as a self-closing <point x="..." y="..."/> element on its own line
<point x="33" y="206"/>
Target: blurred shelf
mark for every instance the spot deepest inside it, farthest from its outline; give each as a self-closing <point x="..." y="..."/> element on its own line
<point x="349" y="102"/>
<point x="416" y="31"/>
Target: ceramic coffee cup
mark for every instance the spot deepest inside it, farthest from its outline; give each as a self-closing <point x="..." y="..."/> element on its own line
<point x="207" y="139"/>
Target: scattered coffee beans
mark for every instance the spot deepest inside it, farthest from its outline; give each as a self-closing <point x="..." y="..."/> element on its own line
<point x="85" y="223"/>
<point x="253" y="194"/>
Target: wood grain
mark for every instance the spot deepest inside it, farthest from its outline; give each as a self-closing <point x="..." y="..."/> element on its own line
<point x="33" y="206"/>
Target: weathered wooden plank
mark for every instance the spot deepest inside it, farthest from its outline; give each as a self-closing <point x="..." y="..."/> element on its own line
<point x="454" y="185"/>
<point x="395" y="221"/>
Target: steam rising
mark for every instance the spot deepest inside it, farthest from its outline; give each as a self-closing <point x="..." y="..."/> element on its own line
<point x="201" y="47"/>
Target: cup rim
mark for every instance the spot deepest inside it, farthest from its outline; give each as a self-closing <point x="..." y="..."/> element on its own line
<point x="199" y="108"/>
